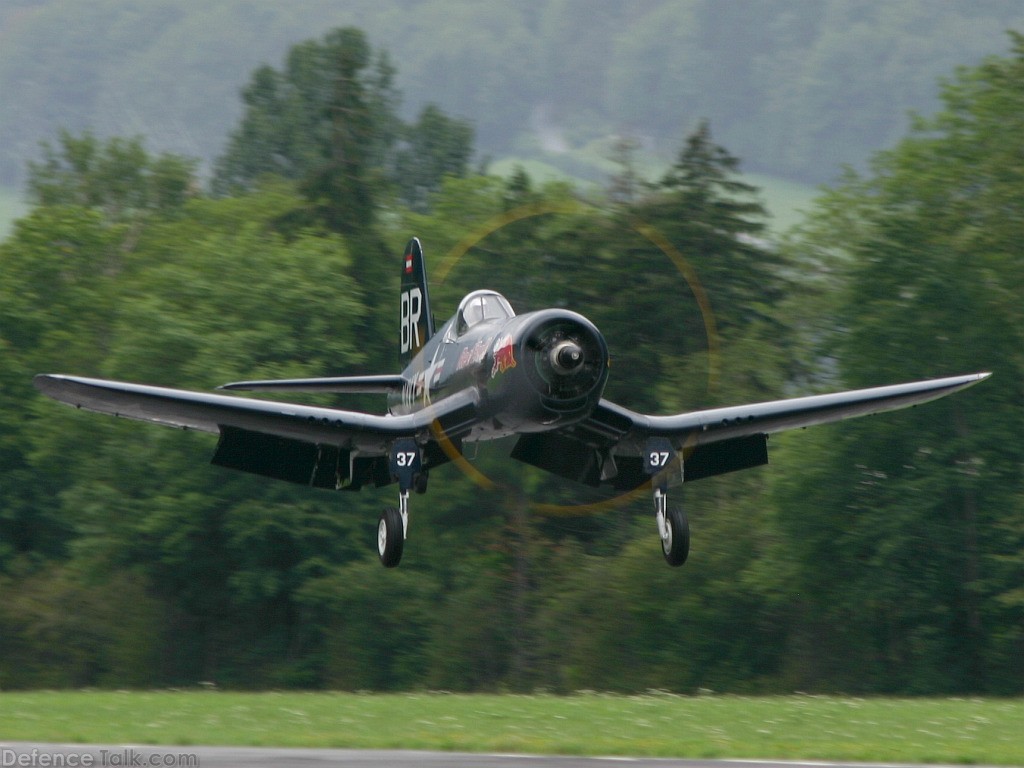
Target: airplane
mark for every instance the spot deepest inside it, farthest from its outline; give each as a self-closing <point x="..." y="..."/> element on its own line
<point x="487" y="373"/>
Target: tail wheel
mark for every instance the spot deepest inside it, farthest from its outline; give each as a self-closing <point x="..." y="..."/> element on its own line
<point x="390" y="537"/>
<point x="676" y="544"/>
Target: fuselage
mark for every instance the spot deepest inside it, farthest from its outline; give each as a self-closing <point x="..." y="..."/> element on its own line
<point x="533" y="372"/>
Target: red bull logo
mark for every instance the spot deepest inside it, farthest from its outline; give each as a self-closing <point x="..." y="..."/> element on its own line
<point x="504" y="356"/>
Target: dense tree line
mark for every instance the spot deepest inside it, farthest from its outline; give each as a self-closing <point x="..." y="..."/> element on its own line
<point x="796" y="88"/>
<point x="875" y="556"/>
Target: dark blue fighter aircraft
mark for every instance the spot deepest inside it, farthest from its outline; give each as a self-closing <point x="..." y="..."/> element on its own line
<point x="486" y="373"/>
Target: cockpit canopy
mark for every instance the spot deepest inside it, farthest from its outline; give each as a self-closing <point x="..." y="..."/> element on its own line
<point x="481" y="306"/>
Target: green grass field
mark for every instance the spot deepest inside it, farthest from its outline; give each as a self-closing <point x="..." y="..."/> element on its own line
<point x="970" y="731"/>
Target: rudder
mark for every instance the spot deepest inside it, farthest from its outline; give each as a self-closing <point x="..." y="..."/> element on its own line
<point x="416" y="321"/>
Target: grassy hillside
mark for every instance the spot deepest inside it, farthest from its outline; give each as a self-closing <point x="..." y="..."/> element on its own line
<point x="804" y="88"/>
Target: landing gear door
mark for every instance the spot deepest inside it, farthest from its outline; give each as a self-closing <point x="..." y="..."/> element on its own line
<point x="405" y="462"/>
<point x="661" y="462"/>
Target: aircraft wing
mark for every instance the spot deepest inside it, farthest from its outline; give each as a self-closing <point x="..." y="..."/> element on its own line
<point x="210" y="412"/>
<point x="612" y="444"/>
<point x="719" y="424"/>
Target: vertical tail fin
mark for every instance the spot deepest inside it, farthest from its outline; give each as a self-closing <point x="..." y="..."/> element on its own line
<point x="417" y="323"/>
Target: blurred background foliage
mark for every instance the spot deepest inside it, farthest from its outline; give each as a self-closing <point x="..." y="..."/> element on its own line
<point x="881" y="556"/>
<point x="796" y="87"/>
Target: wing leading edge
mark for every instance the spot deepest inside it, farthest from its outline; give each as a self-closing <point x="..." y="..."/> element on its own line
<point x="720" y="424"/>
<point x="210" y="412"/>
<point x="377" y="384"/>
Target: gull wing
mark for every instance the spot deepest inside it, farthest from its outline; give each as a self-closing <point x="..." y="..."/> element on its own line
<point x="610" y="446"/>
<point x="738" y="421"/>
<point x="210" y="412"/>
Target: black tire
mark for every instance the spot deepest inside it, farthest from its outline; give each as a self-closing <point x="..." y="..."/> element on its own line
<point x="390" y="537"/>
<point x="676" y="547"/>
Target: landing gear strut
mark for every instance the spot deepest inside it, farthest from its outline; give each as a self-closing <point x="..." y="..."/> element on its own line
<point x="673" y="527"/>
<point x="406" y="464"/>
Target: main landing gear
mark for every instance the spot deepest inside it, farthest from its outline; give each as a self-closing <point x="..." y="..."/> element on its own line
<point x="406" y="464"/>
<point x="673" y="527"/>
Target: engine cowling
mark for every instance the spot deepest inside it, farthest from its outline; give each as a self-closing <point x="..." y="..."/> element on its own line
<point x="567" y="360"/>
<point x="559" y="371"/>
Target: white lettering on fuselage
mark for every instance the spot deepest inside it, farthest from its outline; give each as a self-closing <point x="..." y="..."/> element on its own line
<point x="473" y="355"/>
<point x="417" y="390"/>
<point x="412" y="309"/>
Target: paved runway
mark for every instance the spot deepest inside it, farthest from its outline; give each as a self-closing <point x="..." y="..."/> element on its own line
<point x="92" y="756"/>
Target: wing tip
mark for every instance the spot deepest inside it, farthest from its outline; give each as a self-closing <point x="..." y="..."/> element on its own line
<point x="973" y="378"/>
<point x="48" y="382"/>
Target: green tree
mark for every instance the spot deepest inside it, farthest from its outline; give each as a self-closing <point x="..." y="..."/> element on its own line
<point x="64" y="627"/>
<point x="328" y="121"/>
<point x="56" y="299"/>
<point x="62" y="268"/>
<point x="325" y="121"/>
<point x="708" y="286"/>
<point x="435" y="146"/>
<point x="208" y="295"/>
<point x="909" y="562"/>
<point x="117" y="176"/>
<point x="227" y="554"/>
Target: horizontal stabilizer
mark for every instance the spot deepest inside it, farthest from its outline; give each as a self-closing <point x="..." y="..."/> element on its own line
<point x="381" y="384"/>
